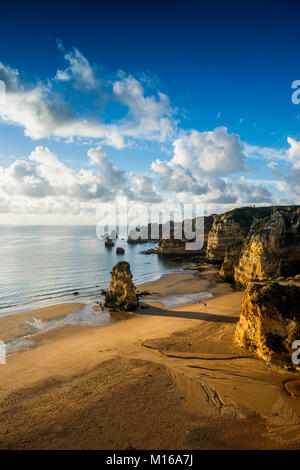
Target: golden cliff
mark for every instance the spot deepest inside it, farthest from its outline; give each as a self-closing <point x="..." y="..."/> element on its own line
<point x="272" y="249"/>
<point x="270" y="321"/>
<point x="228" y="234"/>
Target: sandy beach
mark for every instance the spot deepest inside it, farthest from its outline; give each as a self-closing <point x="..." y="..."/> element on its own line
<point x="166" y="378"/>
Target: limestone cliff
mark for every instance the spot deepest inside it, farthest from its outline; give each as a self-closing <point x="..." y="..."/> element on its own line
<point x="232" y="256"/>
<point x="177" y="247"/>
<point x="272" y="249"/>
<point x="269" y="321"/>
<point x="122" y="294"/>
<point x="230" y="229"/>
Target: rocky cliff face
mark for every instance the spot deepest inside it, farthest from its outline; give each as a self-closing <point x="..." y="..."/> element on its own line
<point x="231" y="229"/>
<point x="177" y="247"/>
<point x="122" y="294"/>
<point x="272" y="249"/>
<point x="269" y="321"/>
<point x="231" y="259"/>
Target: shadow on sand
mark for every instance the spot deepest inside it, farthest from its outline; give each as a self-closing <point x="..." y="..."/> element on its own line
<point x="211" y="317"/>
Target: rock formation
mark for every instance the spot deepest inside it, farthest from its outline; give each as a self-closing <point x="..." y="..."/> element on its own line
<point x="120" y="250"/>
<point x="230" y="229"/>
<point x="250" y="243"/>
<point x="122" y="294"/>
<point x="177" y="247"/>
<point x="270" y="321"/>
<point x="232" y="256"/>
<point x="272" y="249"/>
<point x="109" y="243"/>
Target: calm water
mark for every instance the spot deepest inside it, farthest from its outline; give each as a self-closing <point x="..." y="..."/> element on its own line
<point x="43" y="265"/>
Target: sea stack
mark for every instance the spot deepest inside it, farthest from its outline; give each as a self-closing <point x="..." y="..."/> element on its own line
<point x="270" y="321"/>
<point x="109" y="243"/>
<point x="122" y="294"/>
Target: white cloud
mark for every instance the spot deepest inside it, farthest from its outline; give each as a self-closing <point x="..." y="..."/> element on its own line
<point x="149" y="117"/>
<point x="200" y="161"/>
<point x="44" y="184"/>
<point x="45" y="175"/>
<point x="142" y="189"/>
<point x="42" y="115"/>
<point x="293" y="153"/>
<point x="45" y="111"/>
<point x="263" y="153"/>
<point x="114" y="177"/>
<point x="10" y="76"/>
<point x="79" y="71"/>
<point x="203" y="166"/>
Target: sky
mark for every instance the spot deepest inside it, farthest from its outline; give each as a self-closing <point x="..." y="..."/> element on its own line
<point x="160" y="102"/>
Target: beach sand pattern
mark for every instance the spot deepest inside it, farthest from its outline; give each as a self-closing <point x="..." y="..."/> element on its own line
<point x="168" y="378"/>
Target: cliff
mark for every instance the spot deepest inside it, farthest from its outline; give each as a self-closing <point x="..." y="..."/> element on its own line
<point x="122" y="294"/>
<point x="177" y="247"/>
<point x="269" y="321"/>
<point x="271" y="250"/>
<point x="230" y="229"/>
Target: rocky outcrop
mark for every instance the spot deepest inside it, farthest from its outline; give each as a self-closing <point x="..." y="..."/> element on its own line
<point x="272" y="249"/>
<point x="177" y="247"/>
<point x="230" y="229"/>
<point x="120" y="250"/>
<point x="144" y="234"/>
<point x="109" y="243"/>
<point x="269" y="321"/>
<point x="122" y="293"/>
<point x="232" y="256"/>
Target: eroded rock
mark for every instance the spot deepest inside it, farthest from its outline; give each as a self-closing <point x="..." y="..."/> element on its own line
<point x="230" y="230"/>
<point x="270" y="321"/>
<point x="173" y="247"/>
<point x="122" y="294"/>
<point x="272" y="249"/>
<point x="109" y="243"/>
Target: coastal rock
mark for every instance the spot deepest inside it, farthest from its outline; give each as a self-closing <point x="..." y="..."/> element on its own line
<point x="232" y="256"/>
<point x="120" y="250"/>
<point x="144" y="234"/>
<point x="122" y="294"/>
<point x="151" y="251"/>
<point x="272" y="249"/>
<point x="177" y="247"/>
<point x="269" y="321"/>
<point x="228" y="232"/>
<point x="109" y="243"/>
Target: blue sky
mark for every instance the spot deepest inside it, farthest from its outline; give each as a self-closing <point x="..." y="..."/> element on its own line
<point x="147" y="84"/>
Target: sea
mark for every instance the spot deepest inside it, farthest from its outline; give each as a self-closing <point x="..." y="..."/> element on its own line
<point x="46" y="265"/>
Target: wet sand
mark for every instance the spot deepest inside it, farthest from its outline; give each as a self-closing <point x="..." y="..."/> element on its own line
<point x="168" y="378"/>
<point x="17" y="325"/>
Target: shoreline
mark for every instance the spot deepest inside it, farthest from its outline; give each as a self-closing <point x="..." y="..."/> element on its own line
<point x="28" y="324"/>
<point x="35" y="305"/>
<point x="169" y="377"/>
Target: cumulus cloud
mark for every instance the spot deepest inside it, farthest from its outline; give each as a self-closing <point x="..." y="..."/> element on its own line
<point x="200" y="161"/>
<point x="44" y="183"/>
<point x="43" y="114"/>
<point x="45" y="175"/>
<point x="149" y="117"/>
<point x="45" y="110"/>
<point x="142" y="189"/>
<point x="114" y="177"/>
<point x="203" y="165"/>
